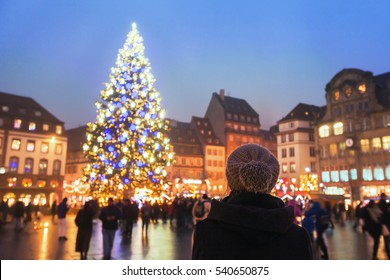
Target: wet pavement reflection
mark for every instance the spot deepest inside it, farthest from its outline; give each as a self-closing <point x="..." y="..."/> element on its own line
<point x="161" y="242"/>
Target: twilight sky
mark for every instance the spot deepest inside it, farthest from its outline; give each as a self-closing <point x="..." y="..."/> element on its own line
<point x="273" y="53"/>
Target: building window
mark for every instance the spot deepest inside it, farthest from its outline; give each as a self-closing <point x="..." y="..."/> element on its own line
<point x="254" y="120"/>
<point x="26" y="182"/>
<point x="57" y="167"/>
<point x="45" y="127"/>
<point x="338" y="128"/>
<point x="59" y="129"/>
<point x="32" y="126"/>
<point x="44" y="147"/>
<point x="37" y="113"/>
<point x="293" y="167"/>
<point x="292" y="125"/>
<point x="242" y="127"/>
<point x="283" y="138"/>
<point x="376" y="144"/>
<point x="17" y="123"/>
<point x="334" y="176"/>
<point x="235" y="117"/>
<point x="379" y="173"/>
<point x="325" y="176"/>
<point x="324" y="131"/>
<point x="30" y="146"/>
<point x="235" y="126"/>
<point x="15" y="145"/>
<point x="284" y="153"/>
<point x="12" y="181"/>
<point x="292" y="152"/>
<point x="43" y="167"/>
<point x="1" y="142"/>
<point x="5" y="108"/>
<point x="365" y="145"/>
<point x="313" y="166"/>
<point x="323" y="151"/>
<point x="284" y="168"/>
<point x="386" y="143"/>
<point x="367" y="173"/>
<point x="333" y="150"/>
<point x="386" y="121"/>
<point x="1" y="122"/>
<point x="13" y="164"/>
<point x="291" y="137"/>
<point x="242" y="118"/>
<point x="312" y="151"/>
<point x="28" y="166"/>
<point x="353" y="173"/>
<point x="344" y="175"/>
<point x="311" y="137"/>
<point x="229" y="116"/>
<point x="387" y="171"/>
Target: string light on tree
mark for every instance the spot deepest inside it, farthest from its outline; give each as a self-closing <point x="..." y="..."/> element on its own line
<point x="128" y="144"/>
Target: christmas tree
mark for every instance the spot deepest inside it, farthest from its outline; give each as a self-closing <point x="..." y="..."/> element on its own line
<point x="128" y="144"/>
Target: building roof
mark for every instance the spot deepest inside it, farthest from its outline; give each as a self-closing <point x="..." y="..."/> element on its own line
<point x="205" y="131"/>
<point x="267" y="135"/>
<point x="303" y="112"/>
<point x="235" y="105"/>
<point x="382" y="89"/>
<point x="76" y="138"/>
<point x="22" y="106"/>
<point x="184" y="139"/>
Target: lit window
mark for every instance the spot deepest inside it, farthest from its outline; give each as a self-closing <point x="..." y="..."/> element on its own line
<point x="334" y="176"/>
<point x="376" y="144"/>
<point x="386" y="143"/>
<point x="28" y="165"/>
<point x="26" y="182"/>
<point x="324" y="131"/>
<point x="17" y="123"/>
<point x="336" y="95"/>
<point x="32" y="126"/>
<point x="16" y="144"/>
<point x="54" y="183"/>
<point x="293" y="167"/>
<point x="365" y="145"/>
<point x="348" y="91"/>
<point x="41" y="183"/>
<point x="13" y="164"/>
<point x="367" y="173"/>
<point x="5" y="108"/>
<point x="12" y="182"/>
<point x="43" y="167"/>
<point x="242" y="127"/>
<point x="284" y="167"/>
<point x="338" y="128"/>
<point x="325" y="176"/>
<point x="333" y="150"/>
<point x="387" y="170"/>
<point x="379" y="173"/>
<point x="344" y="175"/>
<point x="45" y="147"/>
<point x="30" y="146"/>
<point x="362" y="88"/>
<point x="45" y="127"/>
<point x="59" y="129"/>
<point x="353" y="173"/>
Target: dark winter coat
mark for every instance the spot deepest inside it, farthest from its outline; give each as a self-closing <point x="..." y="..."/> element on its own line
<point x="62" y="209"/>
<point x="109" y="216"/>
<point x="251" y="226"/>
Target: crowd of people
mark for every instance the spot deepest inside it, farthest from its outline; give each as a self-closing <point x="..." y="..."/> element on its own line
<point x="249" y="223"/>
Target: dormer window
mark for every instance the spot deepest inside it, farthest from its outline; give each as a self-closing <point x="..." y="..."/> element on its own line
<point x="17" y="123"/>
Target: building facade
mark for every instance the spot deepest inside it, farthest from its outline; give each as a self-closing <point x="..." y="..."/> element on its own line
<point x="186" y="174"/>
<point x="32" y="151"/>
<point x="354" y="135"/>
<point x="234" y="121"/>
<point x="213" y="157"/>
<point x="297" y="150"/>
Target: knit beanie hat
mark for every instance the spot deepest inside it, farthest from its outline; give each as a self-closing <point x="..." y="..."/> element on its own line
<point x="252" y="168"/>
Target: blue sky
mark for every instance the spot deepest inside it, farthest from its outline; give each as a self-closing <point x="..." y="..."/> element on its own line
<point x="274" y="53"/>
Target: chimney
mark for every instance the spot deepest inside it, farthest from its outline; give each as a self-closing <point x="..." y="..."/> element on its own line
<point x="222" y="94"/>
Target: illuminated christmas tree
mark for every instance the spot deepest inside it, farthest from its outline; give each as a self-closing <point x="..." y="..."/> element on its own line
<point x="128" y="145"/>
